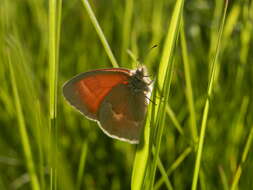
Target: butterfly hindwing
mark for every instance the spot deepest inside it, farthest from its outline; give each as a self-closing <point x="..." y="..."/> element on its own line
<point x="122" y="113"/>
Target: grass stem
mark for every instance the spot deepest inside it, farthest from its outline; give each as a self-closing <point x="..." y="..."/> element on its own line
<point x="207" y="103"/>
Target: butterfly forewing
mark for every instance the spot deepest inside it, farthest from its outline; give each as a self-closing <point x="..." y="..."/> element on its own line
<point x="86" y="91"/>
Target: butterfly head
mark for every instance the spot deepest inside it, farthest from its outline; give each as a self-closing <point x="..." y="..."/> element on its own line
<point x="139" y="80"/>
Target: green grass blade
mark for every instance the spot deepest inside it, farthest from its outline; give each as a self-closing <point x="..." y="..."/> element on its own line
<point x="54" y="32"/>
<point x="246" y="38"/>
<point x="100" y="33"/>
<point x="189" y="91"/>
<point x="128" y="14"/>
<point x="58" y="29"/>
<point x="223" y="178"/>
<point x="157" y="30"/>
<point x="237" y="134"/>
<point x="245" y="153"/>
<point x="52" y="59"/>
<point x="170" y="42"/>
<point x="164" y="175"/>
<point x="232" y="21"/>
<point x="39" y="138"/>
<point x="174" y="166"/>
<point x="207" y="103"/>
<point x="23" y="132"/>
<point x="164" y="80"/>
<point x="134" y="25"/>
<point x="246" y="34"/>
<point x="174" y="119"/>
<point x="141" y="160"/>
<point x="229" y="27"/>
<point x="213" y="36"/>
<point x="81" y="165"/>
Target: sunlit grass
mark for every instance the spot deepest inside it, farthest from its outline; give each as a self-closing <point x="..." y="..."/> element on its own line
<point x="23" y="130"/>
<point x="44" y="144"/>
<point x="54" y="25"/>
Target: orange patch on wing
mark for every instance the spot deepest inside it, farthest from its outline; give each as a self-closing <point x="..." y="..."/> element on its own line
<point x="92" y="89"/>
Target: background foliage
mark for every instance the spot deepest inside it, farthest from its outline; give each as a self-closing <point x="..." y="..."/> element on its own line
<point x="83" y="156"/>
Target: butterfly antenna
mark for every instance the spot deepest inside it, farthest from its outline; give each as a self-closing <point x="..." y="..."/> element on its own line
<point x="133" y="57"/>
<point x="139" y="61"/>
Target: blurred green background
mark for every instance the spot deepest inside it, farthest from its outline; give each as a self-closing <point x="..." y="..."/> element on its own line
<point x="87" y="158"/>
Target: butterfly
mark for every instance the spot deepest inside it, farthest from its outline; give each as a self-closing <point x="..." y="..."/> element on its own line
<point x="116" y="98"/>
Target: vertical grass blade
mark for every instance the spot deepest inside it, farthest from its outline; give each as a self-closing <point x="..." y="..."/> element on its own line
<point x="128" y="14"/>
<point x="141" y="160"/>
<point x="229" y="27"/>
<point x="207" y="103"/>
<point x="23" y="132"/>
<point x="189" y="91"/>
<point x="58" y="29"/>
<point x="42" y="56"/>
<point x="52" y="59"/>
<point x="164" y="81"/>
<point x="39" y="138"/>
<point x="160" y="122"/>
<point x="81" y="165"/>
<point x="54" y="32"/>
<point x="157" y="28"/>
<point x="100" y="33"/>
<point x="170" y="42"/>
<point x="213" y="36"/>
<point x="246" y="39"/>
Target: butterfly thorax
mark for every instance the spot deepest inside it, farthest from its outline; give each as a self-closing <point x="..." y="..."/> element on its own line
<point x="139" y="82"/>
